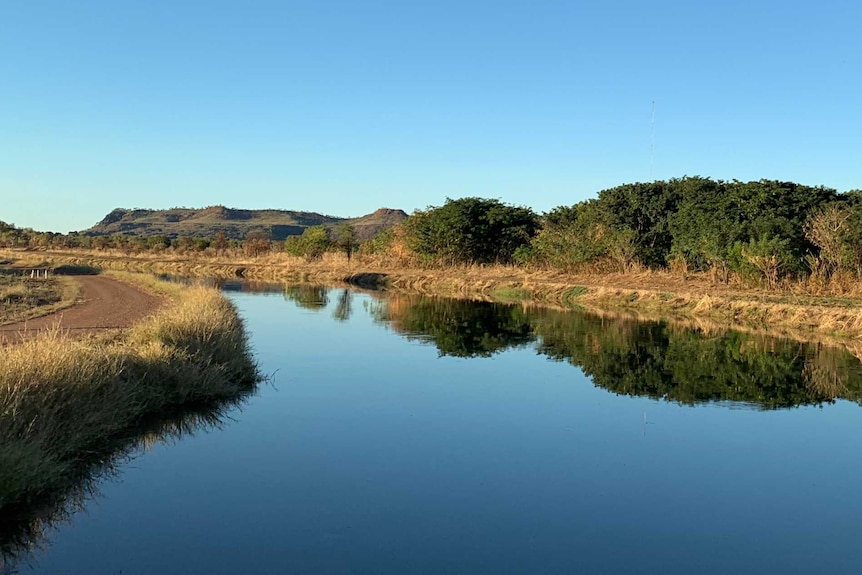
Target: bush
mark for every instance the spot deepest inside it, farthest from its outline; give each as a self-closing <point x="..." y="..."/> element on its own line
<point x="312" y="244"/>
<point x="470" y="230"/>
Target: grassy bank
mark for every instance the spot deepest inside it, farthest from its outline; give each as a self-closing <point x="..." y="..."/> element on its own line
<point x="23" y="298"/>
<point x="66" y="404"/>
<point x="804" y="311"/>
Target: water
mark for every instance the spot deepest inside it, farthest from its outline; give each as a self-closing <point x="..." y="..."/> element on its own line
<point x="415" y="435"/>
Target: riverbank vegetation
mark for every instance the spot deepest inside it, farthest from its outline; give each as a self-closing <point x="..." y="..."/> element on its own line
<point x="738" y="252"/>
<point x="68" y="404"/>
<point x="758" y="232"/>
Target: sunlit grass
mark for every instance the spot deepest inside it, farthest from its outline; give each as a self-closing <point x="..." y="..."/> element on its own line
<point x="64" y="401"/>
<point x="832" y="309"/>
<point x="23" y="298"/>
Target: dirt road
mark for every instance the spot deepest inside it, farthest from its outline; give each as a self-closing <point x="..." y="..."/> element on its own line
<point x="105" y="304"/>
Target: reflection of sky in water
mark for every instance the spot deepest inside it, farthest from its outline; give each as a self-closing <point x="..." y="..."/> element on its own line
<point x="371" y="454"/>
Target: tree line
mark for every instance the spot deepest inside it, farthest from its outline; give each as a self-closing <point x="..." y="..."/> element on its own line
<point x="760" y="231"/>
<point x="14" y="237"/>
<point x="312" y="244"/>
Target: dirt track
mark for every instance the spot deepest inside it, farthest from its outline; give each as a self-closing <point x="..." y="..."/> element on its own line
<point x="104" y="304"/>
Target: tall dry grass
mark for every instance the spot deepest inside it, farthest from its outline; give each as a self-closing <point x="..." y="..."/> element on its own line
<point x="23" y="298"/>
<point x="65" y="402"/>
<point x="821" y="307"/>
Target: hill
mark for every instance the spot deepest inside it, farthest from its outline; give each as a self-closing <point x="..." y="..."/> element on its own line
<point x="235" y="223"/>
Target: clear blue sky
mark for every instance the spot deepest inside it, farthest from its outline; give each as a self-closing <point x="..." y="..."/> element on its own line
<point x="343" y="107"/>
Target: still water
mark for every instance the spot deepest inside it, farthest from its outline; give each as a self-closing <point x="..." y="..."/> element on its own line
<point x="401" y="434"/>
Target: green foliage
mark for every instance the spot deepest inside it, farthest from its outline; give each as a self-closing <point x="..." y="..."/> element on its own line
<point x="575" y="236"/>
<point x="640" y="211"/>
<point x="510" y="294"/>
<point x="309" y="297"/>
<point x="200" y="244"/>
<point x="312" y="244"/>
<point x="470" y="230"/>
<point x="459" y="328"/>
<point x="345" y="240"/>
<point x="763" y="260"/>
<point x="752" y="228"/>
<point x="661" y="362"/>
<point x="158" y="243"/>
<point x="716" y="219"/>
<point x="381" y="243"/>
<point x="636" y="358"/>
<point x="571" y="294"/>
<point x="762" y="231"/>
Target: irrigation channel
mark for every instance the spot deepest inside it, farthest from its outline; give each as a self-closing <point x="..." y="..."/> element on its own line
<point x="407" y="434"/>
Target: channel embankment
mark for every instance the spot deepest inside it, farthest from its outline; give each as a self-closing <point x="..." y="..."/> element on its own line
<point x="799" y="311"/>
<point x="104" y="303"/>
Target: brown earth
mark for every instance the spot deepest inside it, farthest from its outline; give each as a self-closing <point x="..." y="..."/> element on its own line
<point x="104" y="304"/>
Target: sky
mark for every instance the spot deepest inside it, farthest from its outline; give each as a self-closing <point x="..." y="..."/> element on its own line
<point x="343" y="107"/>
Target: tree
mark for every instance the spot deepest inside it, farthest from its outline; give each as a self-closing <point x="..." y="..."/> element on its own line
<point x="470" y="230"/>
<point x="346" y="240"/>
<point x="458" y="328"/>
<point x="312" y="244"/>
<point x="310" y="297"/>
<point x="257" y="243"/>
<point x="715" y="219"/>
<point x="344" y="306"/>
<point x="185" y="244"/>
<point x="642" y="208"/>
<point x="158" y="243"/>
<point x="220" y="243"/>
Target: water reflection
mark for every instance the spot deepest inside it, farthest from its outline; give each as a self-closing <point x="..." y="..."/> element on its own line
<point x="227" y="284"/>
<point x="26" y="526"/>
<point x="660" y="361"/>
<point x="344" y="307"/>
<point x="459" y="328"/>
<point x="495" y="465"/>
<point x="310" y="297"/>
<point x="626" y="357"/>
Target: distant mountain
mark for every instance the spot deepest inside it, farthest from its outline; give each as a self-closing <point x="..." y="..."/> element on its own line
<point x="234" y="223"/>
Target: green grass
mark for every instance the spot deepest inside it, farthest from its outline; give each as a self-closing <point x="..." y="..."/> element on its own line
<point x="572" y="294"/>
<point x="511" y="294"/>
<point x="65" y="403"/>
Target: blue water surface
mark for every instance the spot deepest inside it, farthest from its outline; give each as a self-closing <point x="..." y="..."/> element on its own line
<point x="368" y="452"/>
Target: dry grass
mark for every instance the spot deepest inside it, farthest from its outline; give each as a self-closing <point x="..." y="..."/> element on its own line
<point x="23" y="298"/>
<point x="815" y="308"/>
<point x="65" y="401"/>
<point x="149" y="282"/>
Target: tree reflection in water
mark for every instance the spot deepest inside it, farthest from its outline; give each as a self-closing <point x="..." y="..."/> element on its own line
<point x="458" y="328"/>
<point x="627" y="357"/>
